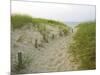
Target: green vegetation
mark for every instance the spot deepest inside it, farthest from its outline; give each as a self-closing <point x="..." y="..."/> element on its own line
<point x="18" y="21"/>
<point x="84" y="45"/>
<point x="22" y="63"/>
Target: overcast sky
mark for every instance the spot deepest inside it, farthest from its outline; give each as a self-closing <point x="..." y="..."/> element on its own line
<point x="60" y="12"/>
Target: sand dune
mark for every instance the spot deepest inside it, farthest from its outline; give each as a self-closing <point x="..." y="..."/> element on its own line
<point x="49" y="57"/>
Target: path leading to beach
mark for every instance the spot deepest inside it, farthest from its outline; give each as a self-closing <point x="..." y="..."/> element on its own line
<point x="53" y="57"/>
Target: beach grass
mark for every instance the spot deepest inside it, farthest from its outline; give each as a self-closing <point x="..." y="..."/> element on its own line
<point x="84" y="46"/>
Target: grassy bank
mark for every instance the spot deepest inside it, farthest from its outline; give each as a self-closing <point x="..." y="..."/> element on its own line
<point x="18" y="21"/>
<point x="31" y="37"/>
<point x="84" y="46"/>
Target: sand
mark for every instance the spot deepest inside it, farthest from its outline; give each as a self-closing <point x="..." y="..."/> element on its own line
<point x="49" y="57"/>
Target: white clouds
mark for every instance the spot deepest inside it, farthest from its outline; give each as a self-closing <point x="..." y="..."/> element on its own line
<point x="62" y="12"/>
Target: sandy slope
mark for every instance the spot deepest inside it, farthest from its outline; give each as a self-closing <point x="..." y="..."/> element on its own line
<point x="53" y="56"/>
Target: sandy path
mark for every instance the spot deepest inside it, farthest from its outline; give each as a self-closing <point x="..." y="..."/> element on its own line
<point x="53" y="57"/>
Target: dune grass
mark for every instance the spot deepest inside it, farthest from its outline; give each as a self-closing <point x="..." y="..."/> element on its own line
<point x="84" y="47"/>
<point x="18" y="21"/>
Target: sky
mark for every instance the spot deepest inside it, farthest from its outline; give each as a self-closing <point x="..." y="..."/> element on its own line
<point x="59" y="12"/>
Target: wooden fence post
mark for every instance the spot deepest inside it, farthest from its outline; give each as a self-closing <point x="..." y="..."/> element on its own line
<point x="36" y="45"/>
<point x="60" y="33"/>
<point x="72" y="30"/>
<point x="19" y="60"/>
<point x="45" y="38"/>
<point x="53" y="36"/>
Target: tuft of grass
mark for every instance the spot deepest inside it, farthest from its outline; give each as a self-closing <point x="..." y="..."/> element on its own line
<point x="18" y="20"/>
<point x="84" y="47"/>
<point x="26" y="60"/>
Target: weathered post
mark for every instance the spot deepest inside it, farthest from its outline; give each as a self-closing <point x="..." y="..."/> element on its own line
<point x="19" y="60"/>
<point x="60" y="33"/>
<point x="45" y="38"/>
<point x="36" y="44"/>
<point x="53" y="36"/>
<point x="72" y="30"/>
